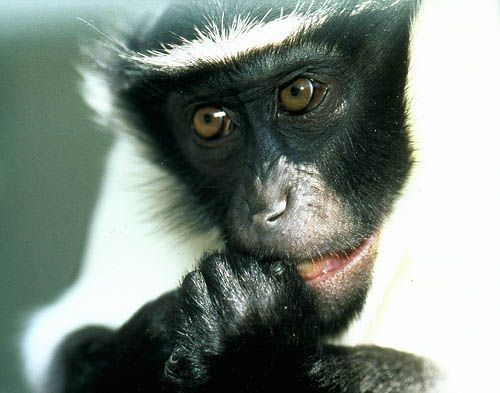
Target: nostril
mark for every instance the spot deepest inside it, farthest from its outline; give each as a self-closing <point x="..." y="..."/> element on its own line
<point x="266" y="209"/>
<point x="276" y="212"/>
<point x="273" y="218"/>
<point x="271" y="215"/>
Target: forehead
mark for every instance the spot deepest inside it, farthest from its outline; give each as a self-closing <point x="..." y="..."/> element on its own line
<point x="211" y="43"/>
<point x="194" y="34"/>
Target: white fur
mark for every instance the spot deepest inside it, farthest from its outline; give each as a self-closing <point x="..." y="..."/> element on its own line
<point x="442" y="300"/>
<point x="129" y="261"/>
<point x="99" y="98"/>
<point x="363" y="5"/>
<point x="435" y="288"/>
<point x="216" y="44"/>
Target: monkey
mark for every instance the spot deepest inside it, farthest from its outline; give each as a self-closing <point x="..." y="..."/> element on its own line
<point x="282" y="135"/>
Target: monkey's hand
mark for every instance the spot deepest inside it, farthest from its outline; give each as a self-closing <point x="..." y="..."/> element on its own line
<point x="235" y="325"/>
<point x="243" y="326"/>
<point x="247" y="326"/>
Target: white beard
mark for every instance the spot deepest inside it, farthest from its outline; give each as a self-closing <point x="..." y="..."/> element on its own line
<point x="436" y="286"/>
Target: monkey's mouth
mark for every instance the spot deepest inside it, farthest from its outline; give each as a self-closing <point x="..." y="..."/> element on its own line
<point x="326" y="266"/>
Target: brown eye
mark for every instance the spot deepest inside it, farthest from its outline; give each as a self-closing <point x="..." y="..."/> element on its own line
<point x="211" y="122"/>
<point x="302" y="95"/>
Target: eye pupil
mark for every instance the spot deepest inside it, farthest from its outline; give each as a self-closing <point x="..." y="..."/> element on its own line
<point x="295" y="91"/>
<point x="208" y="117"/>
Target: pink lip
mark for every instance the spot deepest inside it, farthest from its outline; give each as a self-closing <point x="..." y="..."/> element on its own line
<point x="330" y="264"/>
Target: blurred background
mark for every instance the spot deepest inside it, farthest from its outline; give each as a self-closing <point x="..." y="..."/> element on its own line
<point x="51" y="158"/>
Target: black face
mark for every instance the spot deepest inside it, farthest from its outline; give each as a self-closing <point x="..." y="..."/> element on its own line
<point x="297" y="150"/>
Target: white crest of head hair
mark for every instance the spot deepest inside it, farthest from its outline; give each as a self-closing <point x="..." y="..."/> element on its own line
<point x="367" y="4"/>
<point x="215" y="44"/>
<point x="218" y="44"/>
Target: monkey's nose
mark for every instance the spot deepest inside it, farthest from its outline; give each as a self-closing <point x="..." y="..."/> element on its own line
<point x="270" y="215"/>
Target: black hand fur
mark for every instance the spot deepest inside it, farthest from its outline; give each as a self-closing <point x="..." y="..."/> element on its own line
<point x="234" y="322"/>
<point x="130" y="359"/>
<point x="234" y="325"/>
<point x="244" y="325"/>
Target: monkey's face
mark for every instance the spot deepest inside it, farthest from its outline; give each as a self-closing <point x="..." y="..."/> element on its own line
<point x="299" y="175"/>
<point x="297" y="148"/>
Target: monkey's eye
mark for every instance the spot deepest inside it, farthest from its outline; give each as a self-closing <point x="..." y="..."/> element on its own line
<point x="302" y="95"/>
<point x="211" y="123"/>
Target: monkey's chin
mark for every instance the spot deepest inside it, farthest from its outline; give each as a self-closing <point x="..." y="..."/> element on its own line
<point x="337" y="265"/>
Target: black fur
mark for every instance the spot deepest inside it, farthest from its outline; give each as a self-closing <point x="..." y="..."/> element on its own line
<point x="365" y="154"/>
<point x="235" y="325"/>
<point x="245" y="320"/>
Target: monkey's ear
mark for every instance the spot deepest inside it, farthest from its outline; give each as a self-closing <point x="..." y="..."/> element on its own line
<point x="377" y="42"/>
<point x="384" y="16"/>
<point x="357" y="26"/>
<point x="390" y="26"/>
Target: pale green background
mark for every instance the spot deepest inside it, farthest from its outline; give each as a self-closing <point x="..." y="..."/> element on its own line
<point x="51" y="158"/>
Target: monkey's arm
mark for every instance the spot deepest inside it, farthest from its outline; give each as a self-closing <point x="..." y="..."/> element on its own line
<point x="248" y="327"/>
<point x="234" y="325"/>
<point x="368" y="368"/>
<point x="228" y="322"/>
<point x="131" y="359"/>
